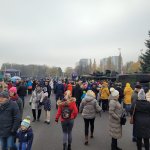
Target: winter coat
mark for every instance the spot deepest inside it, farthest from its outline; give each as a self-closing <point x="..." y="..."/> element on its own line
<point x="120" y="90"/>
<point x="134" y="97"/>
<point x="72" y="106"/>
<point x="19" y="102"/>
<point x="25" y="139"/>
<point x="29" y="85"/>
<point x="95" y="91"/>
<point x="9" y="85"/>
<point x="127" y="94"/>
<point x="141" y="118"/>
<point x="35" y="99"/>
<point x="22" y="90"/>
<point x="104" y="93"/>
<point x="148" y="96"/>
<point x="9" y="118"/>
<point x="77" y="93"/>
<point x="59" y="89"/>
<point x="69" y="87"/>
<point x="89" y="107"/>
<point x="115" y="111"/>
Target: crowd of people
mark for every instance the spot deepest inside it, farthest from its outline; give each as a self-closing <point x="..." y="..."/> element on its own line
<point x="73" y="97"/>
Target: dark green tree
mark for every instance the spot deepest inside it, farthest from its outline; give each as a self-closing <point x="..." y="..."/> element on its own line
<point x="145" y="57"/>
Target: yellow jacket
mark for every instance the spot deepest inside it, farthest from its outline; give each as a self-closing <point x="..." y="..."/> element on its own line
<point x="104" y="93"/>
<point x="128" y="91"/>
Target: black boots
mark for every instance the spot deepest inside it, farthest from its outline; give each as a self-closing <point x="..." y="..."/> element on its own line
<point x="69" y="147"/>
<point x="91" y="136"/>
<point x="65" y="147"/>
<point x="86" y="140"/>
<point x="113" y="147"/>
<point x="118" y="148"/>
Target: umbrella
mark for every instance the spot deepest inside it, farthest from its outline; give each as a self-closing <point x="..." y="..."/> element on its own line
<point x="13" y="79"/>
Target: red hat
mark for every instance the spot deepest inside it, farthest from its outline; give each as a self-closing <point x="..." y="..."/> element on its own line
<point x="13" y="90"/>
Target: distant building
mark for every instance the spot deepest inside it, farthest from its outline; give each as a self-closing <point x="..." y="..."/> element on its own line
<point x="84" y="66"/>
<point x="84" y="62"/>
<point x="113" y="63"/>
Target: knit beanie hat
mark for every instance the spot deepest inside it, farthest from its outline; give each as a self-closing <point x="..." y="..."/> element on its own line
<point x="13" y="90"/>
<point x="26" y="122"/>
<point x="4" y="94"/>
<point x="114" y="92"/>
<point x="141" y="95"/>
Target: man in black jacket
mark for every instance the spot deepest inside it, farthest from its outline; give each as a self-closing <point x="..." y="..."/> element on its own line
<point x="77" y="93"/>
<point x="22" y="91"/>
<point x="48" y="88"/>
<point x="9" y="121"/>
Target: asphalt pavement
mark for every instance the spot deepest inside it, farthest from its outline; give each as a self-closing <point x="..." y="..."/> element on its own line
<point x="49" y="137"/>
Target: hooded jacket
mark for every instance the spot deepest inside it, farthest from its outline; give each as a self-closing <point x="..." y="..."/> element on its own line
<point x="72" y="106"/>
<point x="104" y="93"/>
<point x="141" y="118"/>
<point x="115" y="111"/>
<point x="128" y="91"/>
<point x="89" y="107"/>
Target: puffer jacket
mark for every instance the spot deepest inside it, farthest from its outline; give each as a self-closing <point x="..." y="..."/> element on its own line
<point x="72" y="106"/>
<point x="104" y="93"/>
<point x="141" y="118"/>
<point x="35" y="99"/>
<point x="9" y="118"/>
<point x="115" y="111"/>
<point x="89" y="107"/>
<point x="128" y="91"/>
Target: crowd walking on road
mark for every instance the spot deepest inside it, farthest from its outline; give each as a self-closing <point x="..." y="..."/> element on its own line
<point x="86" y="98"/>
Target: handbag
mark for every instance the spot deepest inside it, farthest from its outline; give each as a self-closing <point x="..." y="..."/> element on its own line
<point x="123" y="118"/>
<point x="132" y="117"/>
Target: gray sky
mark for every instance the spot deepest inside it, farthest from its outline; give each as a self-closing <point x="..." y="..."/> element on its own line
<point x="60" y="32"/>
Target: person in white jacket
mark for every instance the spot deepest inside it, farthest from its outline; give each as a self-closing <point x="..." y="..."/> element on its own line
<point x="35" y="102"/>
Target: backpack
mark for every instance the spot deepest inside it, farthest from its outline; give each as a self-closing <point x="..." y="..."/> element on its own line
<point x="66" y="112"/>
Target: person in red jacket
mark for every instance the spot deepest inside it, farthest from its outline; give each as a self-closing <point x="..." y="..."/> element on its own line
<point x="69" y="87"/>
<point x="67" y="112"/>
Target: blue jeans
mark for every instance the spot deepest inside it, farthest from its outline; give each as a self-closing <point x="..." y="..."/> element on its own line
<point x="7" y="142"/>
<point x="127" y="107"/>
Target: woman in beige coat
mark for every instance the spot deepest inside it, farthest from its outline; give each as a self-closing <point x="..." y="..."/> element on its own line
<point x="115" y="111"/>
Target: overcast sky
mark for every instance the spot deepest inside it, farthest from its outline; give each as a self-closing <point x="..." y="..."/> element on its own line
<point x="60" y="32"/>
